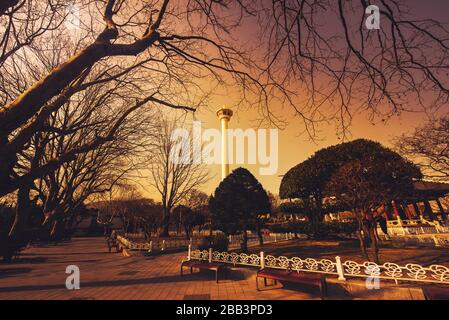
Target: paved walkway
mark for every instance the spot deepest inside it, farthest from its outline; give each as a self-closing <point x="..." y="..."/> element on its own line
<point x="39" y="274"/>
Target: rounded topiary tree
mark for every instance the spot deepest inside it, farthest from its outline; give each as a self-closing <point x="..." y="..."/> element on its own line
<point x="361" y="174"/>
<point x="238" y="202"/>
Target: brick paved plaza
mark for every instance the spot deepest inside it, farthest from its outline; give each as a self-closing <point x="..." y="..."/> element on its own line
<point x="39" y="273"/>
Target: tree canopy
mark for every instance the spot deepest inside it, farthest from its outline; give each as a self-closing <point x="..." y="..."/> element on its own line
<point x="238" y="201"/>
<point x="310" y="177"/>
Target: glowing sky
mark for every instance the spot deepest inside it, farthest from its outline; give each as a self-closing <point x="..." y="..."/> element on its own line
<point x="293" y="147"/>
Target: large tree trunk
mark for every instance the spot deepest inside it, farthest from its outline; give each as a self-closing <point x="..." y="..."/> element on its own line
<point x="362" y="244"/>
<point x="22" y="214"/>
<point x="259" y="232"/>
<point x="244" y="242"/>
<point x="106" y="231"/>
<point x="54" y="233"/>
<point x="360" y="234"/>
<point x="165" y="223"/>
<point x="7" y="162"/>
<point x="374" y="246"/>
<point x="17" y="234"/>
<point x="187" y="230"/>
<point x="316" y="216"/>
<point x="32" y="101"/>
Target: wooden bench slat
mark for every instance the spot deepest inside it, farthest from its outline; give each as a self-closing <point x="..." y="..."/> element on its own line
<point x="290" y="276"/>
<point x="313" y="279"/>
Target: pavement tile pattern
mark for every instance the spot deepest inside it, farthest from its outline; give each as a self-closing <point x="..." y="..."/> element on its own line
<point x="40" y="274"/>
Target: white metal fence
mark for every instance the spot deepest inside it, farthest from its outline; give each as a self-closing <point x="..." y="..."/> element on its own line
<point x="416" y="230"/>
<point x="337" y="267"/>
<point x="427" y="240"/>
<point x="156" y="244"/>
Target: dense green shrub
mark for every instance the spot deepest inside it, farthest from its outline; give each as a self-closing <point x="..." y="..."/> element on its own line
<point x="219" y="242"/>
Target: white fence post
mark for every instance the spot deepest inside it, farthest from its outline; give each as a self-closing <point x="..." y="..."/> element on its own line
<point x="262" y="259"/>
<point x="189" y="252"/>
<point x="210" y="255"/>
<point x="275" y="238"/>
<point x="341" y="274"/>
<point x="163" y="245"/>
<point x="151" y="246"/>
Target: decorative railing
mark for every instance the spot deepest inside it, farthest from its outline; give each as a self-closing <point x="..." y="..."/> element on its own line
<point x="435" y="240"/>
<point x="415" y="227"/>
<point x="156" y="244"/>
<point x="152" y="245"/>
<point x="415" y="230"/>
<point x="342" y="269"/>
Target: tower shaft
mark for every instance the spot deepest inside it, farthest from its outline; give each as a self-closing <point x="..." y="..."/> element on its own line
<point x="224" y="115"/>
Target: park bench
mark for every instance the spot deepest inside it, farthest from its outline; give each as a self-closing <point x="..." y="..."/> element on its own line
<point x="202" y="265"/>
<point x="436" y="293"/>
<point x="310" y="279"/>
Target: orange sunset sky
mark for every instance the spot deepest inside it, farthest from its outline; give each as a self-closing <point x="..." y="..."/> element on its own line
<point x="294" y="146"/>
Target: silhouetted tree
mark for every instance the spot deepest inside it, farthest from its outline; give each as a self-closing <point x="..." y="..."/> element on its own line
<point x="238" y="201"/>
<point x="371" y="176"/>
<point x="174" y="174"/>
<point x="198" y="201"/>
<point x="305" y="182"/>
<point x="187" y="218"/>
<point x="332" y="70"/>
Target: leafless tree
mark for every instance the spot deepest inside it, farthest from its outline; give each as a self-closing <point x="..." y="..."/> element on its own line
<point x="110" y="205"/>
<point x="135" y="211"/>
<point x="428" y="146"/>
<point x="77" y="124"/>
<point x="198" y="202"/>
<point x="174" y="173"/>
<point x="25" y="112"/>
<point x="196" y="199"/>
<point x="342" y="68"/>
<point x="314" y="56"/>
<point x="319" y="49"/>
